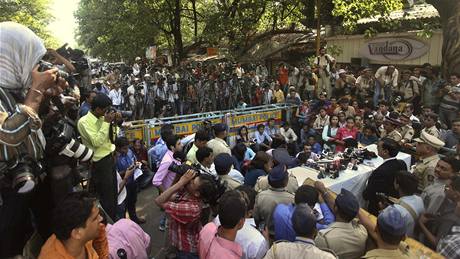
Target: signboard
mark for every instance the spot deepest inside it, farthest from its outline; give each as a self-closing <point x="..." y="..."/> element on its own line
<point x="393" y="49"/>
<point x="212" y="51"/>
<point x="254" y="118"/>
<point x="137" y="133"/>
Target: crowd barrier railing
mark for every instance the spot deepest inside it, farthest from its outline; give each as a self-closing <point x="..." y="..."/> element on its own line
<point x="149" y="129"/>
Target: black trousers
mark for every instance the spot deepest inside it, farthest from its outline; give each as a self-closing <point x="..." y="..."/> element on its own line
<point x="131" y="199"/>
<point x="15" y="222"/>
<point x="103" y="183"/>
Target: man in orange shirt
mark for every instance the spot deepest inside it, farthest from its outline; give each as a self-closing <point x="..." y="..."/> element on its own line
<point x="76" y="224"/>
<point x="283" y="77"/>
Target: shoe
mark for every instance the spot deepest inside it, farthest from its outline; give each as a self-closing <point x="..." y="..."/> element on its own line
<point x="140" y="221"/>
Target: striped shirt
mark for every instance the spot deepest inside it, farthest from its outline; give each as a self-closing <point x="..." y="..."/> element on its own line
<point x="184" y="221"/>
<point x="19" y="133"/>
<point x="449" y="103"/>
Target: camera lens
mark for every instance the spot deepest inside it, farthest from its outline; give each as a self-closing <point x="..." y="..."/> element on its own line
<point x="23" y="178"/>
<point x="77" y="150"/>
<point x="24" y="182"/>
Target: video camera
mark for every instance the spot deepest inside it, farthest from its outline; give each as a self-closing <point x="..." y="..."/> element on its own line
<point x="75" y="56"/>
<point x="181" y="169"/>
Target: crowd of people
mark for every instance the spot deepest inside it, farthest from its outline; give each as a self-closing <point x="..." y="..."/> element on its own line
<point x="219" y="198"/>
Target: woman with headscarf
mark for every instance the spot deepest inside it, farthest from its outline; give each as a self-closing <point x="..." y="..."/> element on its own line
<point x="22" y="90"/>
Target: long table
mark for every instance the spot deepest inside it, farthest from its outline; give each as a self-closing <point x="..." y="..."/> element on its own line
<point x="352" y="180"/>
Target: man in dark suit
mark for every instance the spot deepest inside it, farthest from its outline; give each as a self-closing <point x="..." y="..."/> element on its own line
<point x="382" y="178"/>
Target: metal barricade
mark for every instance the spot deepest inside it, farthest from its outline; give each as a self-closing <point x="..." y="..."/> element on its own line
<point x="149" y="129"/>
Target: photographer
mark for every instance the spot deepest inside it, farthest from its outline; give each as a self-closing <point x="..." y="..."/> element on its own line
<point x="184" y="203"/>
<point x="98" y="132"/>
<point x="22" y="90"/>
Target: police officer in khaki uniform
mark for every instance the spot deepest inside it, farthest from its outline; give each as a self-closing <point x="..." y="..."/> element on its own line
<point x="427" y="150"/>
<point x="267" y="200"/>
<point x="429" y="122"/>
<point x="406" y="130"/>
<point x="391" y="129"/>
<point x="223" y="163"/>
<point x="262" y="184"/>
<point x="346" y="237"/>
<point x="390" y="231"/>
<point x="280" y="156"/>
<point x="304" y="225"/>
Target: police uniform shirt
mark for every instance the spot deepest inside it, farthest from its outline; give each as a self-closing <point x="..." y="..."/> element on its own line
<point x="407" y="133"/>
<point x="232" y="184"/>
<point x="218" y="146"/>
<point x="347" y="240"/>
<point x="433" y="196"/>
<point x="394" y="135"/>
<point x="424" y="170"/>
<point x="262" y="184"/>
<point x="301" y="248"/>
<point x="386" y="253"/>
<point x="433" y="131"/>
<point x="266" y="202"/>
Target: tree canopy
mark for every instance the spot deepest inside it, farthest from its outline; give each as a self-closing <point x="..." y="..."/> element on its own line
<point x="124" y="28"/>
<point x="32" y="13"/>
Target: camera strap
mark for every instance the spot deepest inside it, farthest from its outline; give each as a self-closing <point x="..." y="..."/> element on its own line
<point x="409" y="209"/>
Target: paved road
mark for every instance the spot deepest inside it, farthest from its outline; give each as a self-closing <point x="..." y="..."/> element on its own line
<point x="149" y="210"/>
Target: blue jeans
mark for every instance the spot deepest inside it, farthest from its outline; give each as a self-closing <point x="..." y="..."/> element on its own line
<point x="186" y="255"/>
<point x="378" y="90"/>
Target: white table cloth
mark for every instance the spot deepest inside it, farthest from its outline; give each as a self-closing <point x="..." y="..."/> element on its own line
<point x="352" y="180"/>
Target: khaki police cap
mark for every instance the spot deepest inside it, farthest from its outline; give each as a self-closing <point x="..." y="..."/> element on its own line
<point x="430" y="140"/>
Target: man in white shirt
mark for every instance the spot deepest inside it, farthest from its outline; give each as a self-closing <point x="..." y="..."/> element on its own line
<point x="262" y="72"/>
<point x="254" y="244"/>
<point x="136" y="67"/>
<point x="268" y="94"/>
<point x="239" y="71"/>
<point x="131" y="91"/>
<point x="324" y="62"/>
<point x="386" y="79"/>
<point x="116" y="96"/>
<point x="288" y="134"/>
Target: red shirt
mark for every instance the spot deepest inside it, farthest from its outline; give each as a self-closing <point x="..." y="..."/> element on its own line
<point x="184" y="221"/>
<point x="344" y="133"/>
<point x="331" y="109"/>
<point x="283" y="76"/>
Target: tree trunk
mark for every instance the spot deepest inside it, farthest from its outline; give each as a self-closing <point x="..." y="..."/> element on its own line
<point x="195" y="20"/>
<point x="449" y="12"/>
<point x="177" y="33"/>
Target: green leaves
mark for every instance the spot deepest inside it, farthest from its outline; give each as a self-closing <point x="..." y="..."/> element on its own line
<point x="122" y="29"/>
<point x="353" y="10"/>
<point x="31" y="13"/>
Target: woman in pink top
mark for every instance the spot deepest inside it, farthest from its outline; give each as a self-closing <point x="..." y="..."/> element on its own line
<point x="349" y="131"/>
